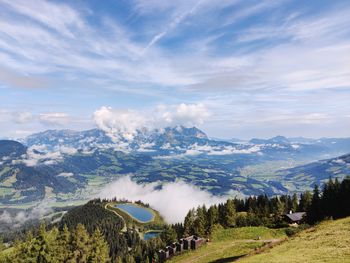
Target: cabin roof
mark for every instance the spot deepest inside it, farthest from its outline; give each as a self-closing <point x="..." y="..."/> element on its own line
<point x="296" y="216"/>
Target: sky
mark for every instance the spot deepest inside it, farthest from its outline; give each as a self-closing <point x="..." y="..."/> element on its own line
<point x="234" y="68"/>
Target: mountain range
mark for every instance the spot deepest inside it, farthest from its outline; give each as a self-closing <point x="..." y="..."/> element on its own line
<point x="72" y="165"/>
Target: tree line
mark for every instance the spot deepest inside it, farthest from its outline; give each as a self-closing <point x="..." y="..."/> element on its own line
<point x="60" y="246"/>
<point x="90" y="233"/>
<point x="332" y="202"/>
<point x="125" y="246"/>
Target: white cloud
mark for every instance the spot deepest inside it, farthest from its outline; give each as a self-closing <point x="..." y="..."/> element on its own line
<point x="233" y="150"/>
<point x="39" y="154"/>
<point x="196" y="149"/>
<point x="12" y="78"/>
<point x="288" y="58"/>
<point x="190" y="114"/>
<point x="38" y="211"/>
<point x="127" y="122"/>
<point x="180" y="195"/>
<point x="173" y="24"/>
<point x="23" y="117"/>
<point x="68" y="150"/>
<point x="54" y="118"/>
<point x="66" y="174"/>
<point x="59" y="17"/>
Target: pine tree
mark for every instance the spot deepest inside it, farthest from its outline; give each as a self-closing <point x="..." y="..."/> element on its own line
<point x="80" y="245"/>
<point x="63" y="242"/>
<point x="200" y="222"/>
<point x="213" y="217"/>
<point x="295" y="203"/>
<point x="230" y="213"/>
<point x="168" y="235"/>
<point x="99" y="248"/>
<point x="343" y="205"/>
<point x="314" y="213"/>
<point x="305" y="201"/>
<point x="25" y="251"/>
<point x="188" y="223"/>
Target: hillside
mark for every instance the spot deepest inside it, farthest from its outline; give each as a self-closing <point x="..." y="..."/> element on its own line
<point x="69" y="166"/>
<point x="305" y="176"/>
<point x="327" y="242"/>
<point x="230" y="244"/>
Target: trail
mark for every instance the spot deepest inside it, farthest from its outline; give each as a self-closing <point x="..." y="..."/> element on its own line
<point x="268" y="243"/>
<point x="124" y="229"/>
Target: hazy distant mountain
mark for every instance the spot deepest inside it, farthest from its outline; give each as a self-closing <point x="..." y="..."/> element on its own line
<point x="181" y="140"/>
<point x="10" y="149"/>
<point x="155" y="139"/>
<point x="306" y="176"/>
<point x="274" y="140"/>
<point x="69" y="165"/>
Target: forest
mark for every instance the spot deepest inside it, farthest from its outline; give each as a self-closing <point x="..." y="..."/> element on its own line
<point x="90" y="233"/>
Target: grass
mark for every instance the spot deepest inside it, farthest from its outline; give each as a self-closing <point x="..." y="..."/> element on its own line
<point x="9" y="181"/>
<point x="241" y="233"/>
<point x="327" y="242"/>
<point x="228" y="245"/>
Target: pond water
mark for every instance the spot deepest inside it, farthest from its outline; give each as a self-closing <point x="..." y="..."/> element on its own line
<point x="150" y="234"/>
<point x="141" y="214"/>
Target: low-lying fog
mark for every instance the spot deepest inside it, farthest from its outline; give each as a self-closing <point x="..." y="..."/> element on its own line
<point x="172" y="200"/>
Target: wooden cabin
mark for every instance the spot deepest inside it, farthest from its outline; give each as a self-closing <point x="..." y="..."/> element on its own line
<point x="295" y="218"/>
<point x="196" y="242"/>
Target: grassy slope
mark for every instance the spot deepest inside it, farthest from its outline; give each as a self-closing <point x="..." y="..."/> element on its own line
<point x="327" y="242"/>
<point x="230" y="244"/>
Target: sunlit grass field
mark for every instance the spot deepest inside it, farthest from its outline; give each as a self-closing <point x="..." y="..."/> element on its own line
<point x="327" y="242"/>
<point x="230" y="244"/>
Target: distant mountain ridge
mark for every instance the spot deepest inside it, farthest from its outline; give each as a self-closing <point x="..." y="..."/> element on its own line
<point x="9" y="148"/>
<point x="182" y="140"/>
<point x="306" y="176"/>
<point x="68" y="165"/>
<point x="155" y="139"/>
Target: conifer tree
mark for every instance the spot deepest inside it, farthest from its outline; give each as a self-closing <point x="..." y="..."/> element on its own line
<point x="63" y="242"/>
<point x="314" y="213"/>
<point x="99" y="248"/>
<point x="305" y="201"/>
<point x="168" y="235"/>
<point x="188" y="223"/>
<point x="295" y="203"/>
<point x="200" y="222"/>
<point x="80" y="245"/>
<point x="230" y="213"/>
<point x="213" y="216"/>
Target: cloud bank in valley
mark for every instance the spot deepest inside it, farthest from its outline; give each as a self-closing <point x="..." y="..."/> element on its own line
<point x="173" y="200"/>
<point x="127" y="122"/>
<point x="39" y="211"/>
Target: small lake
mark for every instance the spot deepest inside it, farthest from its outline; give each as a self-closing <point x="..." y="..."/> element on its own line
<point x="141" y="214"/>
<point x="150" y="234"/>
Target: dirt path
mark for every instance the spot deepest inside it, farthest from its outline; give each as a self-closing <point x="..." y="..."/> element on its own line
<point x="269" y="243"/>
<point x="265" y="247"/>
<point x="124" y="229"/>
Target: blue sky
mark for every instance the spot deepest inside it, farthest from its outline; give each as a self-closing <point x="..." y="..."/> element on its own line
<point x="235" y="68"/>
